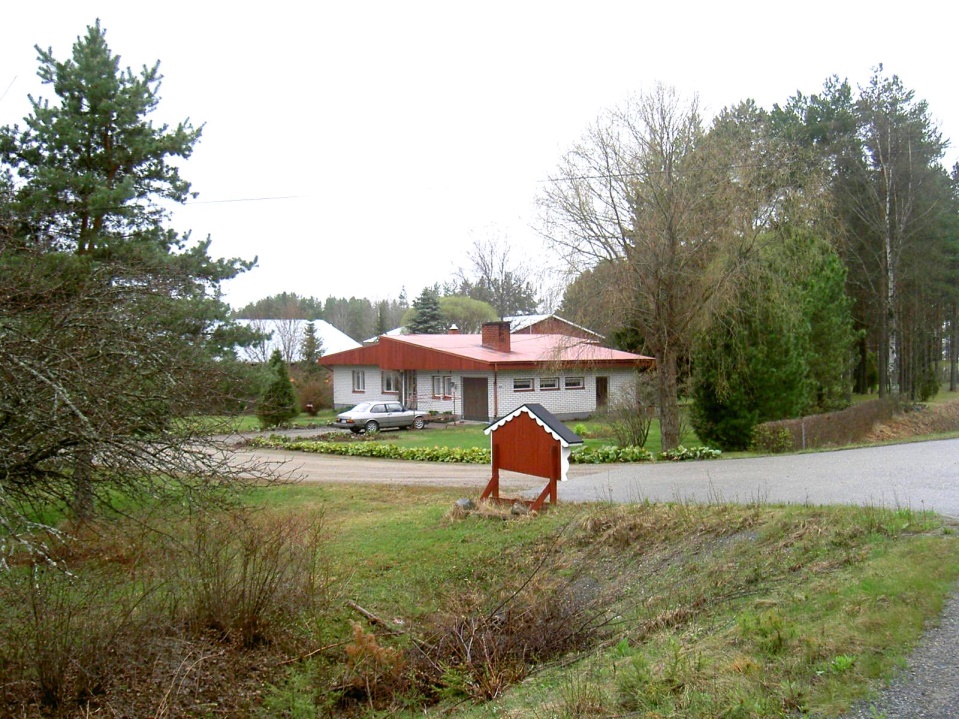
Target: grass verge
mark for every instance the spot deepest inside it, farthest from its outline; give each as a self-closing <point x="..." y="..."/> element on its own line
<point x="369" y="600"/>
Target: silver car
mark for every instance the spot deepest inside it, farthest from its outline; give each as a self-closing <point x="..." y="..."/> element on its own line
<point x="374" y="416"/>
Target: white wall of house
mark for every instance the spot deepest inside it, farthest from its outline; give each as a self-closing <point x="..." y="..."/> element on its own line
<point x="344" y="394"/>
<point x="551" y="389"/>
<point x="569" y="394"/>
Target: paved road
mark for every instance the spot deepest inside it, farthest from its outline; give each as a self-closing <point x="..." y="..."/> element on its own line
<point x="922" y="475"/>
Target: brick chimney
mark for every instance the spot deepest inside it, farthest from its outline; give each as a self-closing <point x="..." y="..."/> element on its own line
<point x="496" y="336"/>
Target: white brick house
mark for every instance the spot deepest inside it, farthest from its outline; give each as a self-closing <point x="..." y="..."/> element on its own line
<point x="485" y="376"/>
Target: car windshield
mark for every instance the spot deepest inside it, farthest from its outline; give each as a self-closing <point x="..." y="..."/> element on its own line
<point x="362" y="407"/>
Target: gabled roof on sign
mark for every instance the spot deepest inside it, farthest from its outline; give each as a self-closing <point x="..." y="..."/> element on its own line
<point x="545" y="419"/>
<point x="462" y="351"/>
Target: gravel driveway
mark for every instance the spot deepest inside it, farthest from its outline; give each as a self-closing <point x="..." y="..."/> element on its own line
<point x="922" y="475"/>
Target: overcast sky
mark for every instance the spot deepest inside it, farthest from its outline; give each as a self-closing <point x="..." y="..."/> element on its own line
<point x="358" y="148"/>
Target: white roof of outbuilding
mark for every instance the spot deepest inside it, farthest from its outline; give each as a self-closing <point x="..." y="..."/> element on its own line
<point x="287" y="336"/>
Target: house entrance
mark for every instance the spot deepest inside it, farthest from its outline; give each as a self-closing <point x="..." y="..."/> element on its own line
<point x="602" y="392"/>
<point x="476" y="398"/>
<point x="409" y="390"/>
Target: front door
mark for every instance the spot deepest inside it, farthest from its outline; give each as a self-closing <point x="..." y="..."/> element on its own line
<point x="476" y="398"/>
<point x="602" y="392"/>
<point x="409" y="389"/>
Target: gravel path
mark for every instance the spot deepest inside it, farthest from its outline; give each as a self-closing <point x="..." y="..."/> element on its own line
<point x="928" y="688"/>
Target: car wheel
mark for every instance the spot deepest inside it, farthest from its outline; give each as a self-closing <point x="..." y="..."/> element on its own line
<point x="419" y="423"/>
<point x="372" y="427"/>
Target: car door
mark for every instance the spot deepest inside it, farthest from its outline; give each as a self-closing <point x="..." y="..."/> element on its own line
<point x="378" y="412"/>
<point x="397" y="415"/>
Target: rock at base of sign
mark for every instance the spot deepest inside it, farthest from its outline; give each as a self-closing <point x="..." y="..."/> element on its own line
<point x="519" y="509"/>
<point x="466" y="504"/>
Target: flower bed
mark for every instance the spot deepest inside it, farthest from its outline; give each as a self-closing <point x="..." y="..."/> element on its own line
<point x="603" y="454"/>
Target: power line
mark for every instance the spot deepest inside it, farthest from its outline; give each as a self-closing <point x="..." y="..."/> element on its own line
<point x="243" y="199"/>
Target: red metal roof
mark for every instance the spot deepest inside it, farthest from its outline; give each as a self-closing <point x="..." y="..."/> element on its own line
<point x="466" y="352"/>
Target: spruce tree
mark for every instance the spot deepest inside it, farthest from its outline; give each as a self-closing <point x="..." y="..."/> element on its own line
<point x="311" y="349"/>
<point x="277" y="404"/>
<point x="427" y="316"/>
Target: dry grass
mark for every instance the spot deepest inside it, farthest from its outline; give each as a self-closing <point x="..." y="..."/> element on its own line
<point x="931" y="420"/>
<point x="134" y="623"/>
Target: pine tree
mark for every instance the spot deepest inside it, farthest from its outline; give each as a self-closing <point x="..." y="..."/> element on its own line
<point x="112" y="324"/>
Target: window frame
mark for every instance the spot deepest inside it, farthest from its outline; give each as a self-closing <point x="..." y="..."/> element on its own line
<point x="569" y="382"/>
<point x="443" y="383"/>
<point x="390" y="378"/>
<point x="359" y="381"/>
<point x="530" y="380"/>
<point x="548" y="388"/>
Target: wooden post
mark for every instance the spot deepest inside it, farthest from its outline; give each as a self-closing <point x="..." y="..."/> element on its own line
<point x="492" y="487"/>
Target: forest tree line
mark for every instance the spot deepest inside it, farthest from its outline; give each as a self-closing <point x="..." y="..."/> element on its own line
<point x="771" y="260"/>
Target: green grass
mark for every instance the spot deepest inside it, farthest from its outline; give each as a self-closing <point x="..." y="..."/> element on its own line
<point x="461" y="436"/>
<point x="719" y="611"/>
<point x="693" y="611"/>
<point x="223" y="424"/>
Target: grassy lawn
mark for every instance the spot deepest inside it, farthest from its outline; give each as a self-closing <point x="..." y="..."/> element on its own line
<point x="471" y="435"/>
<point x="374" y="601"/>
<point x="249" y="423"/>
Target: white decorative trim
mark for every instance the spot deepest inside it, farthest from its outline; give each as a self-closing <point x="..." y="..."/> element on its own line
<point x="564" y="445"/>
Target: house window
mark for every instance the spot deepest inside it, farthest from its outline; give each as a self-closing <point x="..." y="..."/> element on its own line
<point x="391" y="383"/>
<point x="359" y="380"/>
<point x="549" y="383"/>
<point x="574" y="383"/>
<point x="524" y="384"/>
<point x="442" y="386"/>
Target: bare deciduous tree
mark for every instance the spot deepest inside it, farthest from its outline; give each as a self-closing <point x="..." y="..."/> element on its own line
<point x="497" y="278"/>
<point x="670" y="211"/>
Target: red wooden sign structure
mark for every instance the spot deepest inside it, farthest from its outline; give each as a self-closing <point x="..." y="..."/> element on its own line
<point x="530" y="440"/>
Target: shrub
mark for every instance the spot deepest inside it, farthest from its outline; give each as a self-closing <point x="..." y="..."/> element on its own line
<point x="59" y="630"/>
<point x="681" y="454"/>
<point x="771" y="437"/>
<point x="480" y="651"/>
<point x="927" y="384"/>
<point x="631" y="414"/>
<point x="314" y="389"/>
<point x="245" y="575"/>
<point x="605" y="454"/>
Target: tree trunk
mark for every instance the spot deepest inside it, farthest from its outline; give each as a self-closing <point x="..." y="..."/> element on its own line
<point x="82" y="506"/>
<point x="666" y="362"/>
<point x="954" y="349"/>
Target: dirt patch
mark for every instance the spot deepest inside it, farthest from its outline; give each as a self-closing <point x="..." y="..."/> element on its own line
<point x="935" y="419"/>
